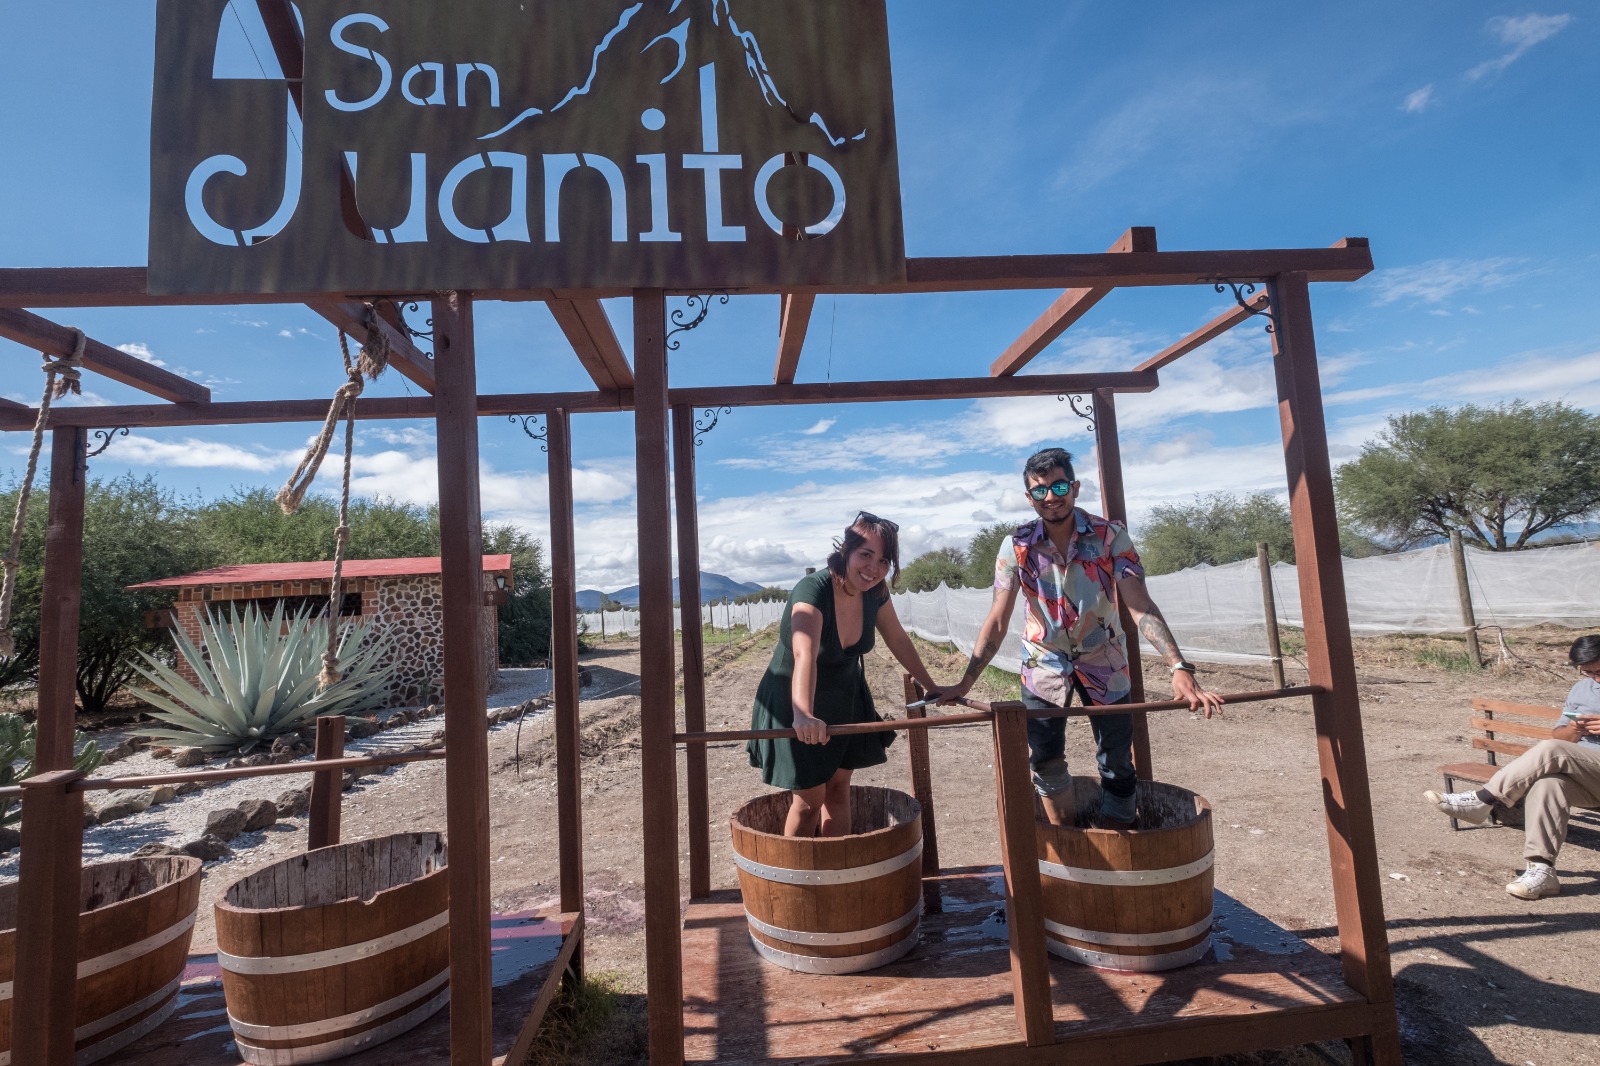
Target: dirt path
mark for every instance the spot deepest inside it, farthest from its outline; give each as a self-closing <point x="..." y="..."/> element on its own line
<point x="1481" y="977"/>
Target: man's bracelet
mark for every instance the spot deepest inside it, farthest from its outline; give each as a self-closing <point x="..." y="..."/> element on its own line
<point x="1184" y="664"/>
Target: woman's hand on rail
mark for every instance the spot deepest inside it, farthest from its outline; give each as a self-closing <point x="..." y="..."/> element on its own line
<point x="808" y="729"/>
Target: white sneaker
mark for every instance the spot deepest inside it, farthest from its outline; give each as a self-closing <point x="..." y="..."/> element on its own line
<point x="1536" y="882"/>
<point x="1465" y="806"/>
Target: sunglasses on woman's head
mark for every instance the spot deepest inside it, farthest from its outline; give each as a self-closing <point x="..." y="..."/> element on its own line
<point x="870" y="519"/>
<point x="1060" y="488"/>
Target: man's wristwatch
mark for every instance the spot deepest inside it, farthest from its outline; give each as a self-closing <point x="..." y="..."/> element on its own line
<point x="1184" y="664"/>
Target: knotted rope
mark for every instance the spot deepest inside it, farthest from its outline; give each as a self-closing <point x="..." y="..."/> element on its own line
<point x="372" y="361"/>
<point x="66" y="369"/>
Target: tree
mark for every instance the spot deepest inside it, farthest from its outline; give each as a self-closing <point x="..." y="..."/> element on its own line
<point x="23" y="665"/>
<point x="983" y="551"/>
<point x="765" y="594"/>
<point x="1216" y="529"/>
<point x="525" y="619"/>
<point x="927" y="571"/>
<point x="1501" y="474"/>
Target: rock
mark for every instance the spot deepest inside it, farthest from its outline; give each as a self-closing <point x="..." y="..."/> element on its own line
<point x="123" y="802"/>
<point x="90" y="817"/>
<point x="10" y="839"/>
<point x="157" y="849"/>
<point x="585" y="678"/>
<point x="208" y="848"/>
<point x="160" y="752"/>
<point x="225" y="824"/>
<point x="360" y="728"/>
<point x="351" y="779"/>
<point x="118" y="753"/>
<point x="294" y="803"/>
<point x="164" y="793"/>
<point x="396" y="720"/>
<point x="260" y="758"/>
<point x="189" y="757"/>
<point x="189" y="786"/>
<point x="258" y="814"/>
<point x="430" y="711"/>
<point x="285" y="744"/>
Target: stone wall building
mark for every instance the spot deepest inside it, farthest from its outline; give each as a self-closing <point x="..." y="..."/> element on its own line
<point x="401" y="599"/>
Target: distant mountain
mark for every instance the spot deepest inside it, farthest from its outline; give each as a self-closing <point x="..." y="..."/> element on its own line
<point x="713" y="587"/>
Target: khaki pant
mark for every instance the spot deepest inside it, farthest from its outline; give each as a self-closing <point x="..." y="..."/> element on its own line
<point x="1553" y="776"/>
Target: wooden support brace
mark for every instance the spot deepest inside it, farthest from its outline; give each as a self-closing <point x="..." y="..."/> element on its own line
<point x="564" y="664"/>
<point x="327" y="786"/>
<point x="792" y="322"/>
<point x="921" y="782"/>
<point x="1067" y="309"/>
<point x="694" y="667"/>
<point x="1206" y="333"/>
<point x="1030" y="973"/>
<point x="41" y="334"/>
<point x="589" y="332"/>
<point x="404" y="356"/>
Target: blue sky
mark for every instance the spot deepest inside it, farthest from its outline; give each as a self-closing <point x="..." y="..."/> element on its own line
<point x="1458" y="137"/>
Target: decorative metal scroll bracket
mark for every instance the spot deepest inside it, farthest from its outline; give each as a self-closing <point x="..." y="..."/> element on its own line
<point x="679" y="314"/>
<point x="702" y="427"/>
<point x="400" y="308"/>
<point x="1085" y="412"/>
<point x="104" y="436"/>
<point x="528" y="422"/>
<point x="1240" y="291"/>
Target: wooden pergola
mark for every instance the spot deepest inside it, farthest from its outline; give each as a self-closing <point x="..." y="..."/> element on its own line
<point x="1353" y="999"/>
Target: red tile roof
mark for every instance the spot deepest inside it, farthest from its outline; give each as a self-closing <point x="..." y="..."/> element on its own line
<point x="264" y="573"/>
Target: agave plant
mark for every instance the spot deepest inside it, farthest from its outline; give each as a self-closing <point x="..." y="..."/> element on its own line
<point x="260" y="679"/>
<point x="17" y="740"/>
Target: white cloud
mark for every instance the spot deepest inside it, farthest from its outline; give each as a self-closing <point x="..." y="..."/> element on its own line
<point x="140" y="351"/>
<point x="1520" y="32"/>
<point x="194" y="453"/>
<point x="1419" y="101"/>
<point x="822" y="426"/>
<point x="286" y="333"/>
<point x="1439" y="279"/>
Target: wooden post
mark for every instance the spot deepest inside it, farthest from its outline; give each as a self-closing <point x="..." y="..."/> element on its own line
<point x="1269" y="607"/>
<point x="327" y="786"/>
<point x="60" y="601"/>
<point x="1341" y="747"/>
<point x="1109" y="451"/>
<point x="657" y="696"/>
<point x="694" y="663"/>
<point x="564" y="663"/>
<point x="922" y="779"/>
<point x="1464" y="591"/>
<point x="1019" y="854"/>
<point x="48" y="897"/>
<point x="466" y="705"/>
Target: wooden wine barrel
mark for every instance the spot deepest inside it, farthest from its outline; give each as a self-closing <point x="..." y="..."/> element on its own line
<point x="832" y="904"/>
<point x="1138" y="899"/>
<point x="337" y="949"/>
<point x="136" y="917"/>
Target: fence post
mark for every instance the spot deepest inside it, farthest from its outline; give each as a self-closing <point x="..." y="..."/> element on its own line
<point x="1269" y="605"/>
<point x="48" y="899"/>
<point x="922" y="783"/>
<point x="1463" y="590"/>
<point x="327" y="786"/>
<point x="1030" y="973"/>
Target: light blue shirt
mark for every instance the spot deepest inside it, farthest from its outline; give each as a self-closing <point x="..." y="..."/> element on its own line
<point x="1583" y="699"/>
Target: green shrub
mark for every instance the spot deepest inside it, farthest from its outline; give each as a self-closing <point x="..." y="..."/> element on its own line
<point x="259" y="680"/>
<point x="17" y="740"/>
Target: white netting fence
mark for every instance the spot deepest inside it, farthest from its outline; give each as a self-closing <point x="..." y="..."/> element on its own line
<point x="1217" y="615"/>
<point x="754" y="616"/>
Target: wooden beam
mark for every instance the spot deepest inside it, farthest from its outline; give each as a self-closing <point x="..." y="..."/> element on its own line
<point x="793" y="319"/>
<point x="697" y="781"/>
<point x="921" y="389"/>
<point x="61" y="600"/>
<point x="1206" y="333"/>
<point x="658" y="778"/>
<point x="466" y="728"/>
<point x="1067" y="309"/>
<point x="43" y="335"/>
<point x="589" y="332"/>
<point x="1030" y="973"/>
<point x="564" y="662"/>
<point x="13" y="406"/>
<point x="404" y="356"/>
<point x="1330" y="662"/>
<point x="1348" y="260"/>
<point x="45" y="990"/>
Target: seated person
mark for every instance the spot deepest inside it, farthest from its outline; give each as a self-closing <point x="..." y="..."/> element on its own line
<point x="1554" y="776"/>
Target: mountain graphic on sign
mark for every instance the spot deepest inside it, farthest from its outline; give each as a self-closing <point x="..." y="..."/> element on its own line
<point x="722" y="21"/>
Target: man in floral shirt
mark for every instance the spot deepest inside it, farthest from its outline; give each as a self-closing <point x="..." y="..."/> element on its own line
<point x="1071" y="566"/>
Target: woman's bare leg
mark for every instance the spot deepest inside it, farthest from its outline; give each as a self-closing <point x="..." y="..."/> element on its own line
<point x="836" y="805"/>
<point x="805" y="810"/>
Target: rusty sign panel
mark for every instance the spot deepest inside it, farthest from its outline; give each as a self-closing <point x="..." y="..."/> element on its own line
<point x="499" y="144"/>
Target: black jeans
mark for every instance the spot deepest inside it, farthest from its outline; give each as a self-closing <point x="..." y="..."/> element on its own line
<point x="1047" y="746"/>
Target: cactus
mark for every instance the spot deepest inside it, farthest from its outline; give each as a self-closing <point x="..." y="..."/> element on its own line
<point x="17" y="739"/>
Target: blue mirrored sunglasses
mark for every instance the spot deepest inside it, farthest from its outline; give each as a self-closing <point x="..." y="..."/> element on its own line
<point x="1060" y="488"/>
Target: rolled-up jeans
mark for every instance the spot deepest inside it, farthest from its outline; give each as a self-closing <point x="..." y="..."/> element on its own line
<point x="1047" y="746"/>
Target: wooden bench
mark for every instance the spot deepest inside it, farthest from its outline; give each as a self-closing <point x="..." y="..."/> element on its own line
<point x="1500" y="723"/>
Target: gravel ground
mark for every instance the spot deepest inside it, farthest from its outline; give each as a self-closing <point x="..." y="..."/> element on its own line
<point x="184" y="818"/>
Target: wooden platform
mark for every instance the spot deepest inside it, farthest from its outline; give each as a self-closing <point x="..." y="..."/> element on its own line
<point x="1260" y="987"/>
<point x="530" y="952"/>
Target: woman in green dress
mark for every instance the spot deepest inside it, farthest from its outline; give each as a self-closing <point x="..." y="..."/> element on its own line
<point x="816" y="678"/>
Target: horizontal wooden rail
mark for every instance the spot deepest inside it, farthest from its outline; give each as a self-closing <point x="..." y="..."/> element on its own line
<point x="355" y="762"/>
<point x="983" y="710"/>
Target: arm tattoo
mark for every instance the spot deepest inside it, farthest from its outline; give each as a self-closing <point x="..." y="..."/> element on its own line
<point x="1154" y="629"/>
<point x="981" y="654"/>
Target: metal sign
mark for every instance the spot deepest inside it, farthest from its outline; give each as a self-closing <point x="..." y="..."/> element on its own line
<point x="524" y="144"/>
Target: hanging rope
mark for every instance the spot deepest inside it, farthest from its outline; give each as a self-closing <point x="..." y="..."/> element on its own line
<point x="65" y="369"/>
<point x="374" y="358"/>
